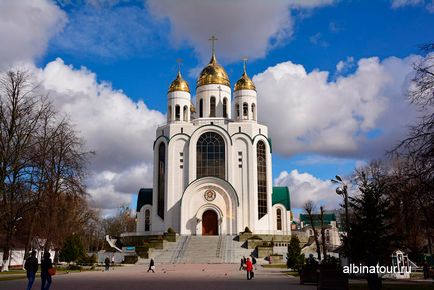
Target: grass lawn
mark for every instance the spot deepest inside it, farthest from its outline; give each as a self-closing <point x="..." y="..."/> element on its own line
<point x="21" y="274"/>
<point x="280" y="266"/>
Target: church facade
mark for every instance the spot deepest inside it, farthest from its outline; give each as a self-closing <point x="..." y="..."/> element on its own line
<point x="212" y="163"/>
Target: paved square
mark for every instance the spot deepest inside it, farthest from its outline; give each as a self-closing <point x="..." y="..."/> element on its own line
<point x="171" y="276"/>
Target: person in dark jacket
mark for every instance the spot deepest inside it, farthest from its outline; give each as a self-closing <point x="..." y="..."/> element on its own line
<point x="107" y="263"/>
<point x="151" y="266"/>
<point x="46" y="264"/>
<point x="31" y="267"/>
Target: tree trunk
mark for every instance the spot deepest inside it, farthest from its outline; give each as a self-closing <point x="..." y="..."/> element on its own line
<point x="323" y="240"/>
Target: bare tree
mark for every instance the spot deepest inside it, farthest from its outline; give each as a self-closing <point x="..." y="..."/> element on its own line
<point x="323" y="236"/>
<point x="21" y="108"/>
<point x="309" y="207"/>
<point x="416" y="152"/>
<point x="42" y="166"/>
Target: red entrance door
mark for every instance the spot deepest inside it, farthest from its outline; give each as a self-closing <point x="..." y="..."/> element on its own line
<point x="209" y="223"/>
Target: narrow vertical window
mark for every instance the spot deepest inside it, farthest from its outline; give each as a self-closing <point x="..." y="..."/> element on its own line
<point x="147" y="220"/>
<point x="245" y="109"/>
<point x="177" y="113"/>
<point x="262" y="179"/>
<point x="169" y="114"/>
<point x="254" y="111"/>
<point x="161" y="178"/>
<point x="185" y="113"/>
<point x="225" y="108"/>
<point x="237" y="108"/>
<point x="212" y="107"/>
<point x="200" y="108"/>
<point x="279" y="219"/>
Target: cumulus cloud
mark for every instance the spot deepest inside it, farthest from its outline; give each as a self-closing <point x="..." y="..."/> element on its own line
<point x="119" y="130"/>
<point x="345" y="65"/>
<point x="26" y="27"/>
<point x="429" y="4"/>
<point x="107" y="31"/>
<point x="304" y="187"/>
<point x="336" y="118"/>
<point x="245" y="28"/>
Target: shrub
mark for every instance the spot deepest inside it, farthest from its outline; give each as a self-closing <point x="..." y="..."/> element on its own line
<point x="247" y="230"/>
<point x="170" y="230"/>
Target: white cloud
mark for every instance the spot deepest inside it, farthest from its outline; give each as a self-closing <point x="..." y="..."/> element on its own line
<point x="345" y="65"/>
<point x="428" y="4"/>
<point x="244" y="28"/>
<point x="108" y="31"/>
<point x="336" y="118"/>
<point x="26" y="27"/>
<point x="119" y="130"/>
<point x="304" y="187"/>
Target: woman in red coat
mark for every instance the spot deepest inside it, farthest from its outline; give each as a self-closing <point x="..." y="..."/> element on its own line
<point x="249" y="269"/>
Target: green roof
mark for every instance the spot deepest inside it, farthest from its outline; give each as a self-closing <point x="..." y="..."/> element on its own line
<point x="145" y="197"/>
<point x="281" y="195"/>
<point x="327" y="217"/>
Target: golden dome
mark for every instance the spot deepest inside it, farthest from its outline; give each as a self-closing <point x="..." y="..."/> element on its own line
<point x="244" y="83"/>
<point x="179" y="84"/>
<point x="213" y="73"/>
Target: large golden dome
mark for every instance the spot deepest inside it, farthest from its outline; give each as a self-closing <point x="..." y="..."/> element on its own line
<point x="179" y="84"/>
<point x="244" y="83"/>
<point x="213" y="73"/>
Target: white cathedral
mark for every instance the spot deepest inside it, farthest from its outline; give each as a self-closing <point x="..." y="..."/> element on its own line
<point x="212" y="163"/>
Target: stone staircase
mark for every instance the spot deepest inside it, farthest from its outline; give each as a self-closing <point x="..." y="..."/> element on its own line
<point x="200" y="250"/>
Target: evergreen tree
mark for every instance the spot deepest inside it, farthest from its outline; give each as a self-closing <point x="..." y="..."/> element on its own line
<point x="73" y="249"/>
<point x="370" y="227"/>
<point x="294" y="258"/>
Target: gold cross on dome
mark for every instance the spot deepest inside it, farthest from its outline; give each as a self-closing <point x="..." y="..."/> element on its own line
<point x="179" y="61"/>
<point x="213" y="39"/>
<point x="244" y="59"/>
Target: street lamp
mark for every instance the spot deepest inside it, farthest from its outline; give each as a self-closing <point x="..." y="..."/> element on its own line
<point x="342" y="190"/>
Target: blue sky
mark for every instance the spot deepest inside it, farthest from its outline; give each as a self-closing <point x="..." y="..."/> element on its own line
<point x="331" y="77"/>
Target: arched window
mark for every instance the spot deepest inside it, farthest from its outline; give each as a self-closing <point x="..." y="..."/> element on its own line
<point x="254" y="111"/>
<point x="210" y="160"/>
<point x="161" y="178"/>
<point x="185" y="113"/>
<point x="310" y="233"/>
<point x="225" y="108"/>
<point x="237" y="108"/>
<point x="177" y="113"/>
<point x="279" y="219"/>
<point x="169" y="114"/>
<point x="245" y="109"/>
<point x="262" y="179"/>
<point x="200" y="108"/>
<point x="147" y="220"/>
<point x="212" y="107"/>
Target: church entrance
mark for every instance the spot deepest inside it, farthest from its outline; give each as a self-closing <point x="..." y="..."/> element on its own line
<point x="210" y="223"/>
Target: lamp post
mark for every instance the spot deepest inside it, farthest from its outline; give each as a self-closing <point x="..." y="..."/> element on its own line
<point x="342" y="190"/>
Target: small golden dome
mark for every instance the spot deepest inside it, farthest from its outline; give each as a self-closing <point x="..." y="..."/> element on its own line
<point x="213" y="73"/>
<point x="179" y="84"/>
<point x="244" y="83"/>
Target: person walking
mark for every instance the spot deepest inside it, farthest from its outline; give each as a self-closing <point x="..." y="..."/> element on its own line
<point x="46" y="265"/>
<point x="151" y="266"/>
<point x="425" y="270"/>
<point x="249" y="269"/>
<point x="253" y="261"/>
<point x="242" y="262"/>
<point x="31" y="267"/>
<point x="107" y="263"/>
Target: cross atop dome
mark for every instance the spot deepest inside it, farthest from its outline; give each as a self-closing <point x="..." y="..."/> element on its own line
<point x="213" y="39"/>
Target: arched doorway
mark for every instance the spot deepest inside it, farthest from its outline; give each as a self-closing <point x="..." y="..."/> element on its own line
<point x="210" y="223"/>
